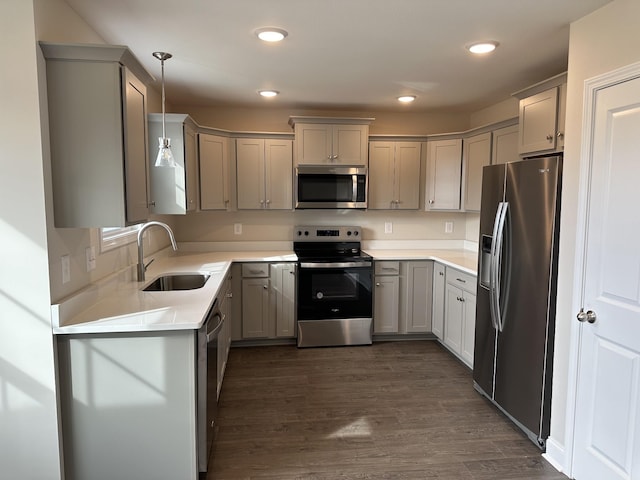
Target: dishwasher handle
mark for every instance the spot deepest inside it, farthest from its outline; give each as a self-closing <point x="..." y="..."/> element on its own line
<point x="214" y="325"/>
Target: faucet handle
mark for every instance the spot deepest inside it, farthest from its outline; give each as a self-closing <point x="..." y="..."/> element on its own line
<point x="147" y="265"/>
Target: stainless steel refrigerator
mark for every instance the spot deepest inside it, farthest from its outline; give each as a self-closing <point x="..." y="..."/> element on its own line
<point x="517" y="271"/>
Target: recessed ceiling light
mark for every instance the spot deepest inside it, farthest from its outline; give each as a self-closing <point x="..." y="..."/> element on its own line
<point x="268" y="93"/>
<point x="482" y="47"/>
<point x="406" y="98"/>
<point x="271" y="34"/>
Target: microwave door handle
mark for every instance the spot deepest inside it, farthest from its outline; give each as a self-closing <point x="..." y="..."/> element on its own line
<point x="354" y="177"/>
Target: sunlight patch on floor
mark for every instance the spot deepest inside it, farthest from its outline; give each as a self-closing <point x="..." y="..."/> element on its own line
<point x="359" y="428"/>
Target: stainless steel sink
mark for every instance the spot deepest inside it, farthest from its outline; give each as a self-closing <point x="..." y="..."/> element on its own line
<point x="178" y="281"/>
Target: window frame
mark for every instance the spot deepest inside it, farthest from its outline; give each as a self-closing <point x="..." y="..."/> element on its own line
<point x="116" y="237"/>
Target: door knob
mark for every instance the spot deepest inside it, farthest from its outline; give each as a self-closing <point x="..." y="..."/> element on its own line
<point x="588" y="316"/>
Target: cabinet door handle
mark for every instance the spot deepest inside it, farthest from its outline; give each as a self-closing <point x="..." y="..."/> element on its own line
<point x="431" y="202"/>
<point x="560" y="134"/>
<point x="550" y="138"/>
<point x="265" y="286"/>
<point x="377" y="284"/>
<point x="461" y="280"/>
<point x="441" y="274"/>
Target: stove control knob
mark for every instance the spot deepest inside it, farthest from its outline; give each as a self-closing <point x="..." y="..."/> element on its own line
<point x="348" y="233"/>
<point x="299" y="233"/>
<point x="355" y="233"/>
<point x="306" y="233"/>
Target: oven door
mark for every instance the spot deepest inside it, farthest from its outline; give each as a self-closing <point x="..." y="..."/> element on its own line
<point x="334" y="303"/>
<point x="334" y="290"/>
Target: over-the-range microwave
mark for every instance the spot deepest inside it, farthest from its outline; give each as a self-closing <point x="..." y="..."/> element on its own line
<point x="331" y="186"/>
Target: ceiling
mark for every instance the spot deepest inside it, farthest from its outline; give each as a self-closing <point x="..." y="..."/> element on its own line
<point x="342" y="54"/>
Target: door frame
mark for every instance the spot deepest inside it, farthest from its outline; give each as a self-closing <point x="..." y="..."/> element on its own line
<point x="591" y="88"/>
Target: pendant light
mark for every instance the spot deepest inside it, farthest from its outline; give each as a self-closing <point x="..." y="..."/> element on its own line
<point x="164" y="157"/>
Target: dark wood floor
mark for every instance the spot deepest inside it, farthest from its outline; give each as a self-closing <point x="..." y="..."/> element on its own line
<point x="397" y="410"/>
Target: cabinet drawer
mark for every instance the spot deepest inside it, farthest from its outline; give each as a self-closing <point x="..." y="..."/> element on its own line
<point x="460" y="279"/>
<point x="254" y="270"/>
<point x="387" y="268"/>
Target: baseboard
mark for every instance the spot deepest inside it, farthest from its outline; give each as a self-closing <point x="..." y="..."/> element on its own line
<point x="555" y="455"/>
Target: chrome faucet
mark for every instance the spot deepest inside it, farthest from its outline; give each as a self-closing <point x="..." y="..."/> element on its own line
<point x="142" y="268"/>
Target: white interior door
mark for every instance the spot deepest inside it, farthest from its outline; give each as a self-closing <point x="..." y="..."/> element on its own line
<point x="607" y="430"/>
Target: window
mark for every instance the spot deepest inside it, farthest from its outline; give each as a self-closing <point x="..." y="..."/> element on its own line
<point x="114" y="237"/>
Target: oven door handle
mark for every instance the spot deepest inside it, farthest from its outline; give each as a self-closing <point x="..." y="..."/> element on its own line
<point x="334" y="264"/>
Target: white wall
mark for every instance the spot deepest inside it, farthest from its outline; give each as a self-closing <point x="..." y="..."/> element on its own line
<point x="504" y="110"/>
<point x="600" y="42"/>
<point x="278" y="225"/>
<point x="29" y="446"/>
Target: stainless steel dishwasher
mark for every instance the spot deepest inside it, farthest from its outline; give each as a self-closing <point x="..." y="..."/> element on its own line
<point x="208" y="384"/>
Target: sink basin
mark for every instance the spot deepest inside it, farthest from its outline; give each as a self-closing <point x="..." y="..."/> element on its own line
<point x="178" y="281"/>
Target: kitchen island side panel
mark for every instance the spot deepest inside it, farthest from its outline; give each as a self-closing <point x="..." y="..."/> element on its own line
<point x="129" y="405"/>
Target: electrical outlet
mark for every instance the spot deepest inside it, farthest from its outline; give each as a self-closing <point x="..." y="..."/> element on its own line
<point x="388" y="227"/>
<point x="448" y="227"/>
<point x="237" y="229"/>
<point x="66" y="268"/>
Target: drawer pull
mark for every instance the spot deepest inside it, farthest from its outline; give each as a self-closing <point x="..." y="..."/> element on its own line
<point x="461" y="280"/>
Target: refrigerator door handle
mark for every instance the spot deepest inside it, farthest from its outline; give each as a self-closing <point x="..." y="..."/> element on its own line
<point x="493" y="267"/>
<point x="498" y="265"/>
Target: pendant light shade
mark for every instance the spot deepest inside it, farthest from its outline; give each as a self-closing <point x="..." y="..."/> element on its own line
<point x="164" y="157"/>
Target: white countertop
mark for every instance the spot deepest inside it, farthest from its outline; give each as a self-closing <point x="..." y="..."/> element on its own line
<point x="464" y="260"/>
<point x="119" y="305"/>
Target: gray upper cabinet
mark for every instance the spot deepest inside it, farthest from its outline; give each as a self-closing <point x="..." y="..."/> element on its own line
<point x="214" y="171"/>
<point x="174" y="190"/>
<point x="444" y="171"/>
<point x="332" y="141"/>
<point x="394" y="175"/>
<point x="476" y="154"/>
<point x="97" y="100"/>
<point x="265" y="174"/>
<point x="541" y="116"/>
<point x="505" y="145"/>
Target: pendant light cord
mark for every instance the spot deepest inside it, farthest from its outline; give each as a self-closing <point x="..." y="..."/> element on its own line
<point x="164" y="133"/>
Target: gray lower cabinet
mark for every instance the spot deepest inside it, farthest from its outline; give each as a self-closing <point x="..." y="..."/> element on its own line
<point x="386" y="295"/>
<point x="224" y="338"/>
<point x="437" y="323"/>
<point x="460" y="314"/>
<point x="402" y="297"/>
<point x="268" y="301"/>
<point x="129" y="405"/>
